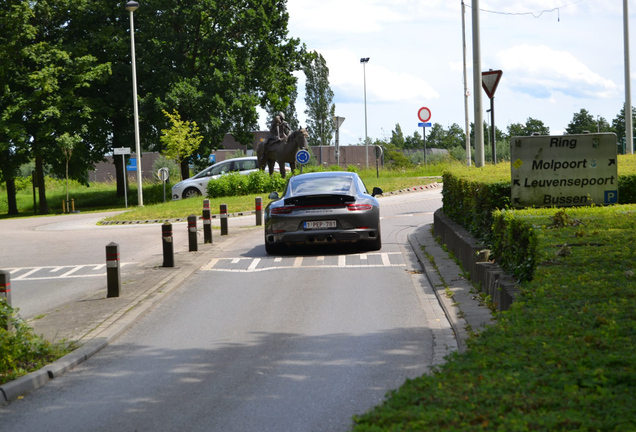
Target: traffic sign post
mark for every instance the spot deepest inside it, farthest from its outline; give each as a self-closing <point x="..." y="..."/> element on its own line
<point x="489" y="82"/>
<point x="377" y="150"/>
<point x="424" y="114"/>
<point x="302" y="157"/>
<point x="164" y="175"/>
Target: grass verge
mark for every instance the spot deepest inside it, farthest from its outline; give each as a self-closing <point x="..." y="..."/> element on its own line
<point x="562" y="358"/>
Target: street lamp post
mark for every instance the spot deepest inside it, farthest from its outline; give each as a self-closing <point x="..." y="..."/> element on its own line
<point x="131" y="7"/>
<point x="364" y="62"/>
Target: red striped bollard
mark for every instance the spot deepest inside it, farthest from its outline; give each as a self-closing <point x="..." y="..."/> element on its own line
<point x="192" y="233"/>
<point x="223" y="219"/>
<point x="259" y="211"/>
<point x="5" y="294"/>
<point x="207" y="222"/>
<point x="113" y="280"/>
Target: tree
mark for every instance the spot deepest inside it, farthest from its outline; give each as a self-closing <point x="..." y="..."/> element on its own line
<point x="397" y="137"/>
<point x="215" y="61"/>
<point x="531" y="126"/>
<point x="16" y="30"/>
<point x="618" y="124"/>
<point x="43" y="96"/>
<point x="583" y="121"/>
<point x="181" y="140"/>
<point x="319" y="99"/>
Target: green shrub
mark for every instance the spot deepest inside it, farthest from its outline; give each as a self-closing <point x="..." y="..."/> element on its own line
<point x="236" y="184"/>
<point x="21" y="351"/>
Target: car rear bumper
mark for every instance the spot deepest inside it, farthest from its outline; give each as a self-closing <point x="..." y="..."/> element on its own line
<point x="323" y="236"/>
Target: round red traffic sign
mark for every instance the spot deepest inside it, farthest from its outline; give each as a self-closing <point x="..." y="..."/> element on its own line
<point x="424" y="114"/>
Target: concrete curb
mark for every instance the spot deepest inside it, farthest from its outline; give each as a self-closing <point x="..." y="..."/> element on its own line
<point x="464" y="309"/>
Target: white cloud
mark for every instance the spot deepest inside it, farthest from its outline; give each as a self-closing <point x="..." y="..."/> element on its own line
<point x="541" y="71"/>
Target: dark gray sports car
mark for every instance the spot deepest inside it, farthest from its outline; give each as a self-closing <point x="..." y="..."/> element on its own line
<point x="323" y="207"/>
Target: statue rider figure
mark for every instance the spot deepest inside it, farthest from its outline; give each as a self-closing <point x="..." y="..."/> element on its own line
<point x="278" y="132"/>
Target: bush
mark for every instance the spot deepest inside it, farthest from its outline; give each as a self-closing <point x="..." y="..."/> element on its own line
<point x="21" y="351"/>
<point x="234" y="184"/>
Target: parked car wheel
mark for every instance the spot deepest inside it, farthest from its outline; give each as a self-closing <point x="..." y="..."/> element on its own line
<point x="273" y="248"/>
<point x="191" y="193"/>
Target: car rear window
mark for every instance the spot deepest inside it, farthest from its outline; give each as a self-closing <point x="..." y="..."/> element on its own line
<point x="325" y="185"/>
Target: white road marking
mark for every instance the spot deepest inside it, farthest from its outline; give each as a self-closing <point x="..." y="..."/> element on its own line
<point x="227" y="264"/>
<point x="68" y="274"/>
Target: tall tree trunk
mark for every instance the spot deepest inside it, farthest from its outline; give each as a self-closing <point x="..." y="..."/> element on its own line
<point x="8" y="174"/>
<point x="185" y="169"/>
<point x="39" y="174"/>
<point x="13" y="204"/>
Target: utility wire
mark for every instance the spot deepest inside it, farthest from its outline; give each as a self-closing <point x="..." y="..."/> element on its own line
<point x="534" y="14"/>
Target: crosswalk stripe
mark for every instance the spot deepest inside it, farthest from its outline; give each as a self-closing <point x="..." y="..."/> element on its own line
<point x="265" y="264"/>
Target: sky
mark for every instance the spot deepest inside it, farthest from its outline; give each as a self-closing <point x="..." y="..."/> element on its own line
<point x="556" y="57"/>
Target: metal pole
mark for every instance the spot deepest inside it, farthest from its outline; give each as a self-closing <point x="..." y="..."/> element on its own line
<point x="140" y="194"/>
<point x="113" y="272"/>
<point x="466" y="93"/>
<point x="223" y="212"/>
<point x="5" y="293"/>
<point x="207" y="222"/>
<point x="479" y="116"/>
<point x="366" y="143"/>
<point x="168" y="247"/>
<point x="123" y="164"/>
<point x="493" y="138"/>
<point x="424" y="138"/>
<point x="629" y="127"/>
<point x="259" y="210"/>
<point x="192" y="233"/>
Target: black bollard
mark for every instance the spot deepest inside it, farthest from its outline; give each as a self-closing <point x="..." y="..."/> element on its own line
<point x="223" y="219"/>
<point x="168" y="248"/>
<point x="207" y="226"/>
<point x="259" y="211"/>
<point x="113" y="272"/>
<point x="5" y="294"/>
<point x="192" y="233"/>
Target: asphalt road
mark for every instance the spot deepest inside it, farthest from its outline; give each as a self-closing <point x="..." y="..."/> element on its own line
<point x="57" y="259"/>
<point x="252" y="342"/>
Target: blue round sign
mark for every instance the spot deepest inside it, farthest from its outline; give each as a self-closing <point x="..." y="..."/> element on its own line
<point x="302" y="157"/>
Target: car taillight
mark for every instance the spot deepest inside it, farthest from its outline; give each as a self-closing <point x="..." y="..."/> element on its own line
<point x="359" y="207"/>
<point x="281" y="210"/>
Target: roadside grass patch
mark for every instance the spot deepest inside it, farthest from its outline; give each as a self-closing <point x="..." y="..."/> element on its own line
<point x="563" y="357"/>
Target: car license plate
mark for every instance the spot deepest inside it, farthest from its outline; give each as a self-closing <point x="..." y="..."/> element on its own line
<point x="320" y="224"/>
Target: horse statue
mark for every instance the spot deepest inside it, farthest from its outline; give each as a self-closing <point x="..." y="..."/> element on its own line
<point x="282" y="152"/>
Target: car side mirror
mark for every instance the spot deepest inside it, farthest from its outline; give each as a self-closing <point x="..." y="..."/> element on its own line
<point x="376" y="191"/>
<point x="273" y="195"/>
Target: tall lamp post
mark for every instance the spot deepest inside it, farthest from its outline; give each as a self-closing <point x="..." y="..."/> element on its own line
<point x="132" y="6"/>
<point x="364" y="62"/>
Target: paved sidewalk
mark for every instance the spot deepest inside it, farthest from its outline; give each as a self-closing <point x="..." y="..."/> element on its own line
<point x="463" y="308"/>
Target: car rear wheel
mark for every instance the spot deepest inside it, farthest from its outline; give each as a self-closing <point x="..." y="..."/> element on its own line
<point x="375" y="244"/>
<point x="273" y="248"/>
<point x="191" y="193"/>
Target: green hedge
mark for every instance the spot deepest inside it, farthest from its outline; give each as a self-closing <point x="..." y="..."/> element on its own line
<point x="470" y="195"/>
<point x="234" y="184"/>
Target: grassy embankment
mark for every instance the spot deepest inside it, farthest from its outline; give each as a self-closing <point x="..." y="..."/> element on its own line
<point x="564" y="356"/>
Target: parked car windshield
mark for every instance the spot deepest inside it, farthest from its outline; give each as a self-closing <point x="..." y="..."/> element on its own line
<point x="326" y="185"/>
